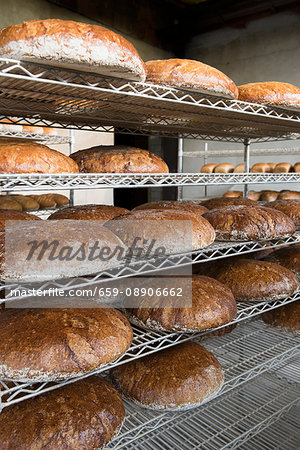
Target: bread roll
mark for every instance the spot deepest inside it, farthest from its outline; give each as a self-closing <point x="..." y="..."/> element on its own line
<point x="286" y="317"/>
<point x="6" y="202"/>
<point x="289" y="207"/>
<point x="174" y="205"/>
<point x="297" y="167"/>
<point x="233" y="194"/>
<point x="240" y="168"/>
<point x="220" y="202"/>
<point x="30" y="157"/>
<point x="253" y="195"/>
<point x="288" y="257"/>
<point x="73" y="45"/>
<point x="213" y="305"/>
<point x="45" y="201"/>
<point x="118" y="159"/>
<point x="86" y="415"/>
<point x="174" y="231"/>
<point x="283" y="168"/>
<point x="268" y="196"/>
<point x="224" y="168"/>
<point x="53" y="344"/>
<point x="245" y="223"/>
<point x="271" y="93"/>
<point x="27" y="203"/>
<point x="88" y="212"/>
<point x="191" y="75"/>
<point x="255" y="280"/>
<point x="260" y="168"/>
<point x="60" y="200"/>
<point x="289" y="195"/>
<point x="177" y="378"/>
<point x="208" y="168"/>
<point x="271" y="166"/>
<point x="14" y="215"/>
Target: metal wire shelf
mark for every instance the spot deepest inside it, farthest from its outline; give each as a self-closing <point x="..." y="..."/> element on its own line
<point x="147" y="342"/>
<point x="38" y="137"/>
<point x="74" y="99"/>
<point x="240" y="152"/>
<point x="47" y="182"/>
<point x="217" y="250"/>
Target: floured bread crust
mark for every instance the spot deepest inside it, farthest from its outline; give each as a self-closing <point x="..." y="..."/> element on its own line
<point x="271" y="93"/>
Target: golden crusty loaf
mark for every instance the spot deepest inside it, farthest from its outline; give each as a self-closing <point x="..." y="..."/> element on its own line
<point x="260" y="168"/>
<point x="27" y="203"/>
<point x="268" y="196"/>
<point x="283" y="167"/>
<point x="233" y="194"/>
<point x="208" y="168"/>
<point x="72" y="44"/>
<point x="220" y="202"/>
<point x="289" y="195"/>
<point x="243" y="223"/>
<point x="86" y="415"/>
<point x="297" y="167"/>
<point x="173" y="231"/>
<point x="6" y="202"/>
<point x="224" y="168"/>
<point x="177" y="378"/>
<point x="188" y="206"/>
<point x="254" y="195"/>
<point x="60" y="200"/>
<point x="286" y="317"/>
<point x="288" y="257"/>
<point x="270" y="93"/>
<point x="213" y="305"/>
<point x="239" y="168"/>
<point x="53" y="344"/>
<point x="254" y="280"/>
<point x="88" y="212"/>
<point x="289" y="207"/>
<point x="118" y="159"/>
<point x="30" y="157"/>
<point x="14" y="215"/>
<point x="191" y="75"/>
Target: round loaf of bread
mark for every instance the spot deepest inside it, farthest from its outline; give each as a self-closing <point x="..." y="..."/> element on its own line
<point x="14" y="215"/>
<point x="260" y="168"/>
<point x="177" y="378"/>
<point x="53" y="344"/>
<point x="240" y="168"/>
<point x="224" y="168"/>
<point x="88" y="212"/>
<point x="8" y="203"/>
<point x="30" y="157"/>
<point x="297" y="167"/>
<point x="188" y="206"/>
<point x="289" y="195"/>
<point x="191" y="75"/>
<point x="283" y="168"/>
<point x="213" y="305"/>
<point x="208" y="168"/>
<point x="255" y="280"/>
<point x="268" y="196"/>
<point x="170" y="230"/>
<point x="87" y="414"/>
<point x="73" y="45"/>
<point x="220" y="202"/>
<point x="233" y="194"/>
<point x="286" y="317"/>
<point x="254" y="195"/>
<point x="289" y="207"/>
<point x="118" y="159"/>
<point x="288" y="257"/>
<point x="271" y="93"/>
<point x="245" y="223"/>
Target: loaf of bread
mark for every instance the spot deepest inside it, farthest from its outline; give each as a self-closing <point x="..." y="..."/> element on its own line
<point x="287" y="317"/>
<point x="177" y="378"/>
<point x="188" y="206"/>
<point x="289" y="195"/>
<point x="191" y="75"/>
<point x="88" y="212"/>
<point x="289" y="207"/>
<point x="255" y="280"/>
<point x="270" y="93"/>
<point x="118" y="159"/>
<point x="213" y="305"/>
<point x="60" y="200"/>
<point x="173" y="231"/>
<point x="288" y="257"/>
<point x="8" y="203"/>
<point x="260" y="168"/>
<point x="268" y="196"/>
<point x="233" y="194"/>
<point x="254" y="195"/>
<point x="220" y="202"/>
<point x="54" y="343"/>
<point x="297" y="167"/>
<point x="44" y="201"/>
<point x="27" y="203"/>
<point x="224" y="168"/>
<point x="73" y="45"/>
<point x="240" y="168"/>
<point x="271" y="166"/>
<point x="85" y="415"/>
<point x="283" y="168"/>
<point x="245" y="223"/>
<point x="14" y="215"/>
<point x="208" y="168"/>
<point x="30" y="157"/>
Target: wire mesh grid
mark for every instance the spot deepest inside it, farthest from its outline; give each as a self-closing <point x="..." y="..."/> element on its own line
<point x="88" y="101"/>
<point x="42" y="138"/>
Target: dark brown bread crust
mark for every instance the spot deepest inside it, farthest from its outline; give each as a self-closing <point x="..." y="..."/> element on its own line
<point x="88" y="212"/>
<point x="288" y="257"/>
<point x="289" y="207"/>
<point x="220" y="202"/>
<point x="178" y="205"/>
<point x="86" y="414"/>
<point x="156" y="224"/>
<point x="270" y="93"/>
<point x="6" y="214"/>
<point x="24" y="157"/>
<point x="73" y="44"/>
<point x="254" y="280"/>
<point x="286" y="317"/>
<point x="53" y="344"/>
<point x="244" y="223"/>
<point x="118" y="159"/>
<point x="191" y="75"/>
<point x="213" y="305"/>
<point x="180" y="377"/>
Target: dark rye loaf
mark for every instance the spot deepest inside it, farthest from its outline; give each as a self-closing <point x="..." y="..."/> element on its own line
<point x="177" y="205"/>
<point x="286" y="317"/>
<point x="289" y="207"/>
<point x="220" y="202"/>
<point x="88" y="212"/>
<point x="288" y="257"/>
